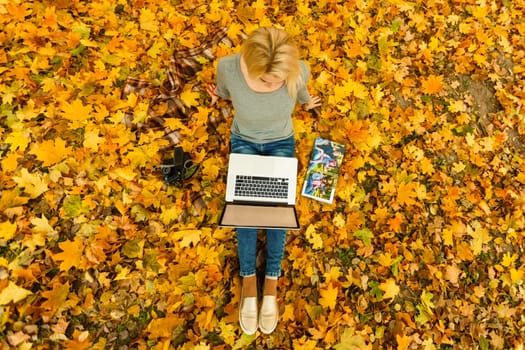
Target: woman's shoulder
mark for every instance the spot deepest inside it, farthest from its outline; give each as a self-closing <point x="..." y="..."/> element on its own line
<point x="228" y="62"/>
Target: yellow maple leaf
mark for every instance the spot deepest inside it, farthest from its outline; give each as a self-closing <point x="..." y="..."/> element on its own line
<point x="211" y="168"/>
<point x="457" y="106"/>
<point x="41" y="225"/>
<point x="127" y="173"/>
<point x="358" y="90"/>
<point x="13" y="293"/>
<point x="352" y="341"/>
<point x="289" y="313"/>
<point x="10" y="162"/>
<point x="448" y="237"/>
<point x="56" y="297"/>
<point x="480" y="236"/>
<point x="390" y="288"/>
<point x="189" y="97"/>
<point x="329" y="297"/>
<point x="403" y="341"/>
<point x="169" y="214"/>
<point x="18" y="139"/>
<point x="92" y="140"/>
<point x="517" y="275"/>
<point x="314" y="237"/>
<point x="433" y="84"/>
<point x="163" y="327"/>
<point x="339" y="220"/>
<point x="509" y="259"/>
<point x="406" y="193"/>
<point x="385" y="259"/>
<point x="148" y="20"/>
<point x="7" y="230"/>
<point x="71" y="255"/>
<point x="187" y="237"/>
<point x="33" y="184"/>
<point x="123" y="274"/>
<point x="51" y="152"/>
<point x="76" y="112"/>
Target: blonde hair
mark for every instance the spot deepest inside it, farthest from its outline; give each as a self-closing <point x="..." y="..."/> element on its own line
<point x="269" y="50"/>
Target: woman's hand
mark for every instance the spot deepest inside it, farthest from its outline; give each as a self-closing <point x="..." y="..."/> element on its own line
<point x="314" y="102"/>
<point x="210" y="89"/>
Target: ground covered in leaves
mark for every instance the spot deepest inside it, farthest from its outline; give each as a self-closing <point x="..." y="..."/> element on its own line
<point x="423" y="247"/>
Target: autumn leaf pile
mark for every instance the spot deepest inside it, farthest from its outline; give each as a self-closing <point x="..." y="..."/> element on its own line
<point x="423" y="247"/>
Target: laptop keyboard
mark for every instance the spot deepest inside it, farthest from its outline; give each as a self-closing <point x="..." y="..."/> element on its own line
<point x="257" y="186"/>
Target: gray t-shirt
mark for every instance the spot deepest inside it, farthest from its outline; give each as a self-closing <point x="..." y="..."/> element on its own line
<point x="260" y="117"/>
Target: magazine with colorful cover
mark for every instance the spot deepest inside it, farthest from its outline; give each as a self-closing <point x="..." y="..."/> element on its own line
<point x="323" y="170"/>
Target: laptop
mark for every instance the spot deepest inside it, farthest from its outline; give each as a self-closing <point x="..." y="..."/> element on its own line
<point x="260" y="192"/>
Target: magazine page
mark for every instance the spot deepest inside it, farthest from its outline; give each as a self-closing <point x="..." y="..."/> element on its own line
<point x="323" y="170"/>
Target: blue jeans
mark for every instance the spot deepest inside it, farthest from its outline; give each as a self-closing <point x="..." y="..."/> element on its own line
<point x="247" y="237"/>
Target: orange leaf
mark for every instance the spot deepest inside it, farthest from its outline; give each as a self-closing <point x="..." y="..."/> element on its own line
<point x="406" y="193"/>
<point x="403" y="342"/>
<point x="51" y="152"/>
<point x="163" y="327"/>
<point x="71" y="255"/>
<point x="17" y="12"/>
<point x="55" y="297"/>
<point x="433" y="85"/>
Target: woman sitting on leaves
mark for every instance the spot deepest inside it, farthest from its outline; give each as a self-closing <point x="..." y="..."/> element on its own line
<point x="264" y="82"/>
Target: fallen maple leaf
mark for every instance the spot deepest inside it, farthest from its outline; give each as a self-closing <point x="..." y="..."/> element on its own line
<point x="390" y="288"/>
<point x="18" y="139"/>
<point x="33" y="184"/>
<point x="452" y="273"/>
<point x="480" y="236"/>
<point x="314" y="237"/>
<point x="55" y="297"/>
<point x="365" y="235"/>
<point x="76" y="112"/>
<point x="41" y="225"/>
<point x="71" y="255"/>
<point x="328" y="298"/>
<point x="403" y="341"/>
<point x="13" y="293"/>
<point x="433" y="84"/>
<point x="407" y="193"/>
<point x="351" y="341"/>
<point x="51" y="152"/>
<point x="7" y="230"/>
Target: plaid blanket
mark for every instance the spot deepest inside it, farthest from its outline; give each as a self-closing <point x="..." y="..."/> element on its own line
<point x="183" y="66"/>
